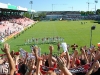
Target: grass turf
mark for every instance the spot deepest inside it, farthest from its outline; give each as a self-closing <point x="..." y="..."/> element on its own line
<point x="71" y="31"/>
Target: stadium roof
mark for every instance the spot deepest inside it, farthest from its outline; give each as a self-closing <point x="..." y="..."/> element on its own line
<point x="4" y="6"/>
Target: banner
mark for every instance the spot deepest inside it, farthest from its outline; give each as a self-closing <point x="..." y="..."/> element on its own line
<point x="12" y="7"/>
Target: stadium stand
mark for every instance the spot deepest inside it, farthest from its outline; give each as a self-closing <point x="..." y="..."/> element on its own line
<point x="35" y="63"/>
<point x="70" y="15"/>
<point x="11" y="21"/>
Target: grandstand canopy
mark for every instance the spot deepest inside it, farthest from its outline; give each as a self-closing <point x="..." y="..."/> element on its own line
<point x="9" y="7"/>
<point x="10" y="10"/>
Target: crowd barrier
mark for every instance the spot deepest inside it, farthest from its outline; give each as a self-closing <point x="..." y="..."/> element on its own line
<point x="9" y="37"/>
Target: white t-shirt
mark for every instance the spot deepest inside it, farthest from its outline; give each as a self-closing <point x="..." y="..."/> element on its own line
<point x="64" y="46"/>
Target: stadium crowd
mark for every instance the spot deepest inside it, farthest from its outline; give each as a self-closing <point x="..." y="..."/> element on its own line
<point x="13" y="24"/>
<point x="83" y="61"/>
<point x="23" y="63"/>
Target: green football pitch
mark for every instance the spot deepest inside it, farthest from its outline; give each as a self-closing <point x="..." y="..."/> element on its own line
<point x="71" y="31"/>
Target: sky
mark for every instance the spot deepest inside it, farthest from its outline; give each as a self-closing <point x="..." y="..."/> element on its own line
<point x="55" y="5"/>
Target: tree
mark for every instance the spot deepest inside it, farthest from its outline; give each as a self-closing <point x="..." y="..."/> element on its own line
<point x="42" y="15"/>
<point x="98" y="12"/>
<point x="27" y="14"/>
<point x="87" y="13"/>
<point x="90" y="12"/>
<point x="83" y="13"/>
<point x="36" y="15"/>
<point x="39" y="15"/>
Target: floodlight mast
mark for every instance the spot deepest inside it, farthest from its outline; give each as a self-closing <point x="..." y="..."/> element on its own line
<point x="71" y="8"/>
<point x="31" y="3"/>
<point x="96" y="1"/>
<point x="89" y="5"/>
<point x="52" y="10"/>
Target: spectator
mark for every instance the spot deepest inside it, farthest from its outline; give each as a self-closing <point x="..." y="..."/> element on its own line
<point x="24" y="63"/>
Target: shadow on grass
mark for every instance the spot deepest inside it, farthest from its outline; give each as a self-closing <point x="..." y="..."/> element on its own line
<point x="30" y="44"/>
<point x="96" y="21"/>
<point x="24" y="45"/>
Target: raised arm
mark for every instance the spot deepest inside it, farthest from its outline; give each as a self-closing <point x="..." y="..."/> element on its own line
<point x="73" y="60"/>
<point x="31" y="67"/>
<point x="91" y="69"/>
<point x="85" y="56"/>
<point x="50" y="56"/>
<point x="6" y="50"/>
<point x="68" y="59"/>
<point x="38" y="61"/>
<point x="98" y="56"/>
<point x="25" y="60"/>
<point x="62" y="67"/>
